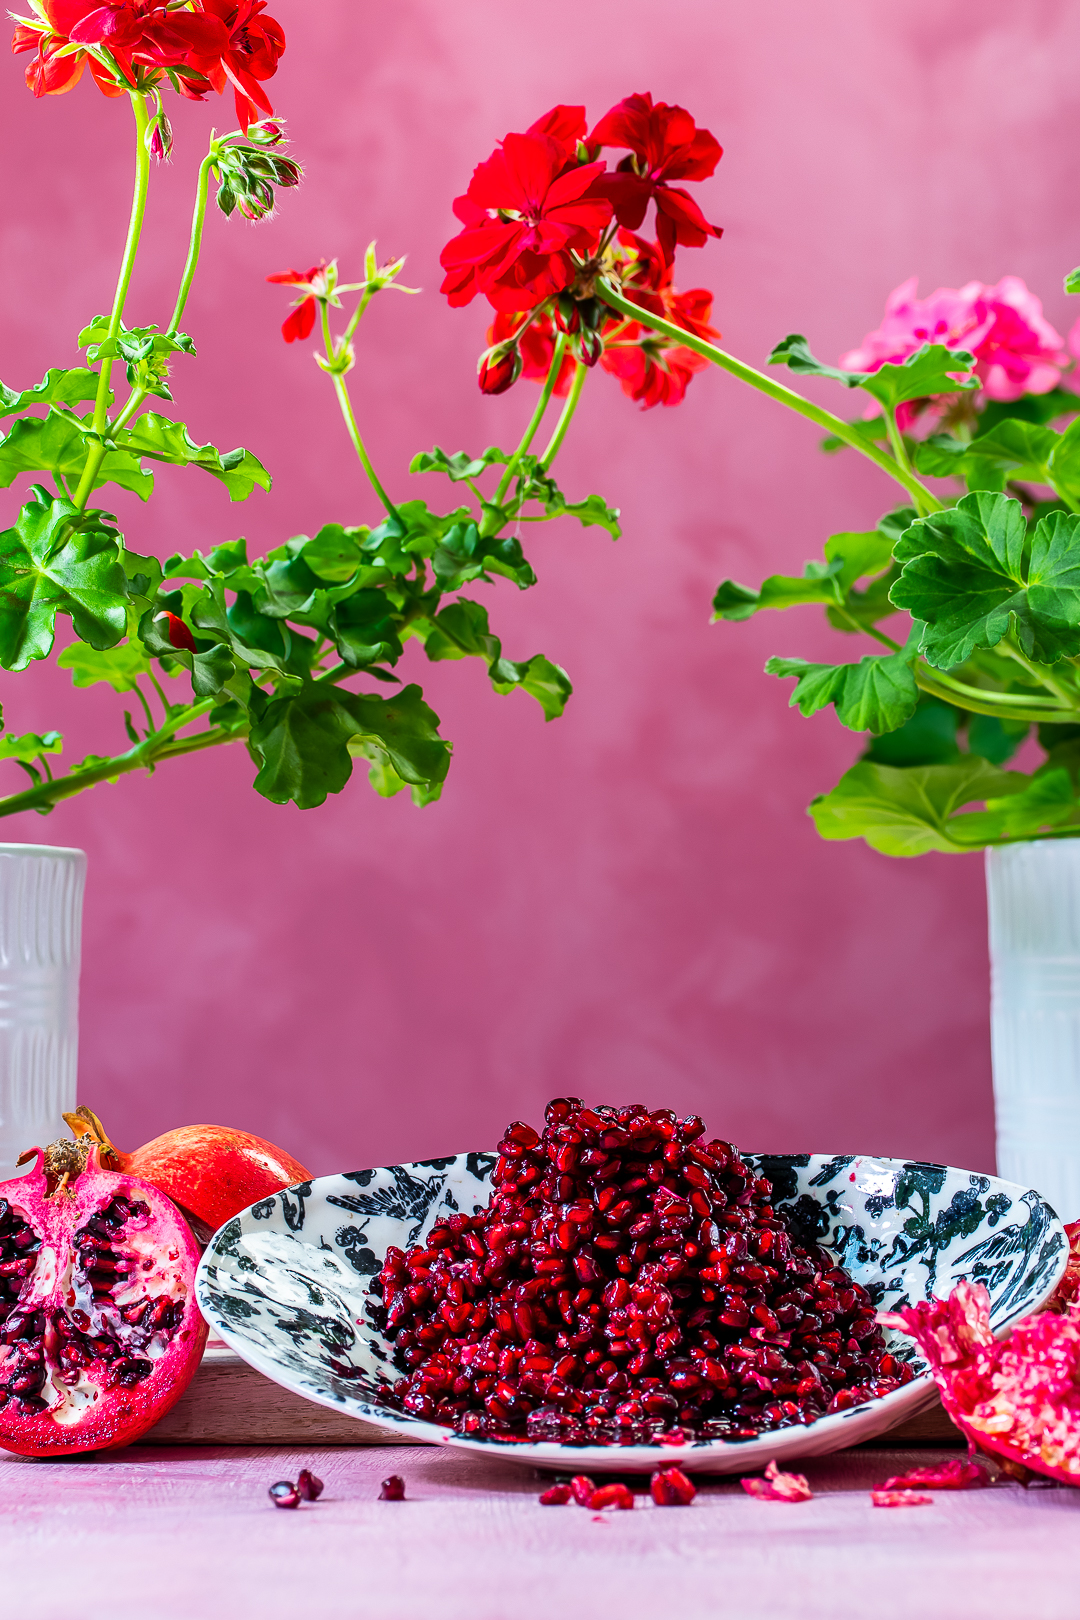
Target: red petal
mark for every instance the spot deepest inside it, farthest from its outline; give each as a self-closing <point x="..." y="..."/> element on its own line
<point x="563" y="124"/>
<point x="299" y="323"/>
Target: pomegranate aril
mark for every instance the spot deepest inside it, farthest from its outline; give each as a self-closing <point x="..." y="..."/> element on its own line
<point x="582" y="1488"/>
<point x="309" y="1487"/>
<point x="555" y="1495"/>
<point x="284" y="1494"/>
<point x="611" y="1496"/>
<point x="392" y="1489"/>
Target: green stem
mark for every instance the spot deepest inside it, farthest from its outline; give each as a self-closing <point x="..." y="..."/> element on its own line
<point x="899" y="450"/>
<point x="565" y="418"/>
<point x="358" y="313"/>
<point x="96" y="454"/>
<point x="766" y="385"/>
<point x="342" y="392"/>
<point x="868" y="630"/>
<point x="191" y="264"/>
<point x="537" y="417"/>
<point x="983" y="704"/>
<point x="1040" y="673"/>
<point x="161" y="745"/>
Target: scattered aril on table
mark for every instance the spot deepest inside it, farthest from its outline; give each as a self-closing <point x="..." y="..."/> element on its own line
<point x="309" y="1486"/>
<point x="284" y="1494"/>
<point x="99" y="1331"/>
<point x="670" y="1487"/>
<point x="583" y="1489"/>
<point x="612" y="1496"/>
<point x="555" y="1495"/>
<point x="392" y="1489"/>
<point x="952" y="1475"/>
<point x="778" y="1487"/>
<point x="900" y="1499"/>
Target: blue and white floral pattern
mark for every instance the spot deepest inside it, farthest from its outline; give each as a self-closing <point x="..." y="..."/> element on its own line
<point x="286" y="1282"/>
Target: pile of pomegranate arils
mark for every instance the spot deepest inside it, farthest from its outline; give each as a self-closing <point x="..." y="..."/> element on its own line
<point x="627" y="1283"/>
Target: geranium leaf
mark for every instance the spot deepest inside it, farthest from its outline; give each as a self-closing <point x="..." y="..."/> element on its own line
<point x="794" y="352"/>
<point x="912" y="811"/>
<point x="302" y="742"/>
<point x="933" y="369"/>
<point x="460" y="465"/>
<point x="58" y="560"/>
<point x="736" y="602"/>
<point x="965" y="575"/>
<point x="876" y="694"/>
<point x="548" y="683"/>
<point x="1072" y="281"/>
<point x="58" y="445"/>
<point x="30" y="746"/>
<point x="160" y="439"/>
<point x="119" y="666"/>
<point x="56" y="388"/>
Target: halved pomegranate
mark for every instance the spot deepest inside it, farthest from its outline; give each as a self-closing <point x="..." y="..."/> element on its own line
<point x="99" y="1330"/>
<point x="211" y="1171"/>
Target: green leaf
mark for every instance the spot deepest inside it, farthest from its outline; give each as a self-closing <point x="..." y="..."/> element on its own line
<point x="1065" y="462"/>
<point x="996" y="740"/>
<point x="160" y="439"/>
<point x="1072" y="281"/>
<point x="1013" y="449"/>
<point x="930" y="370"/>
<point x="909" y="812"/>
<point x="794" y="352"/>
<point x="593" y="510"/>
<point x="57" y="445"/>
<point x="965" y="575"/>
<point x="302" y="742"/>
<point x="56" y="388"/>
<point x="57" y="559"/>
<point x="119" y="666"/>
<point x="335" y="553"/>
<point x="863" y="553"/>
<point x="928" y="737"/>
<point x="876" y="694"/>
<point x="30" y="746"/>
<point x="1040" y="408"/>
<point x="548" y="683"/>
<point x="460" y="465"/>
<point x="736" y="602"/>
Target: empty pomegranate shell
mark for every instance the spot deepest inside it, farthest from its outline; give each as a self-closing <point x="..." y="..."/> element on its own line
<point x="1016" y="1399"/>
<point x="629" y="1283"/>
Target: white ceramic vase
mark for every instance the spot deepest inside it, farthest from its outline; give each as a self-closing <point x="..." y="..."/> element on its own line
<point x="41" y="895"/>
<point x="1033" y="900"/>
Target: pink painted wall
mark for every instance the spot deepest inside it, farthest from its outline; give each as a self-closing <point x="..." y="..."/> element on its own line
<point x="631" y="902"/>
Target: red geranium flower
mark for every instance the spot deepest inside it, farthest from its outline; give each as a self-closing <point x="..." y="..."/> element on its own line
<point x="252" y="45"/>
<point x="527" y="210"/>
<point x="649" y="367"/>
<point x="666" y="145"/>
<point x="314" y="284"/>
<point x="536" y="346"/>
<point x="129" y="31"/>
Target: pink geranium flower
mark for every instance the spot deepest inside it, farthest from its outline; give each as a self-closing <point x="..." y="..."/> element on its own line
<point x="1016" y="349"/>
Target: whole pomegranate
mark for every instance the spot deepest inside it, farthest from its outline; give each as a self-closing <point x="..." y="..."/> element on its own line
<point x="211" y="1171"/>
<point x="99" y="1330"/>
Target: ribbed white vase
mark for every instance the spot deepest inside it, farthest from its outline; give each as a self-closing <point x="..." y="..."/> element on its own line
<point x="41" y="895"/>
<point x="1033" y="899"/>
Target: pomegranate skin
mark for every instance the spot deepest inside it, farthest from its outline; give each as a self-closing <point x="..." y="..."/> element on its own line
<point x="212" y="1171"/>
<point x="77" y="1331"/>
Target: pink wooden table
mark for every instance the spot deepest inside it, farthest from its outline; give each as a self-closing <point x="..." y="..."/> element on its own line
<point x="153" y="1533"/>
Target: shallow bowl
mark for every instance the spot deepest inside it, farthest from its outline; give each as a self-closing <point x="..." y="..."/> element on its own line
<point x="285" y="1284"/>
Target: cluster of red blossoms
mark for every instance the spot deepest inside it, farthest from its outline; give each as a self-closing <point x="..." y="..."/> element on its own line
<point x="545" y="216"/>
<point x="194" y="45"/>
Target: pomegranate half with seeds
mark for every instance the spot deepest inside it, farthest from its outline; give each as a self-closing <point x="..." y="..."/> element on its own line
<point x="211" y="1171"/>
<point x="99" y="1330"/>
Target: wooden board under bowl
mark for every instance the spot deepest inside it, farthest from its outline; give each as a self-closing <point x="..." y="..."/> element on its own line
<point x="228" y="1403"/>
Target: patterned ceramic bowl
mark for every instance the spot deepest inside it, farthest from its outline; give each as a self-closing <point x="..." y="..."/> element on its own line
<point x="285" y="1284"/>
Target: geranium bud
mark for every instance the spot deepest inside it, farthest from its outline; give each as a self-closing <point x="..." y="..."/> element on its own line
<point x="267" y="132"/>
<point x="567" y="314"/>
<point x="161" y="138"/>
<point x="179" y="634"/>
<point x="499" y="368"/>
<point x="590" y="346"/>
